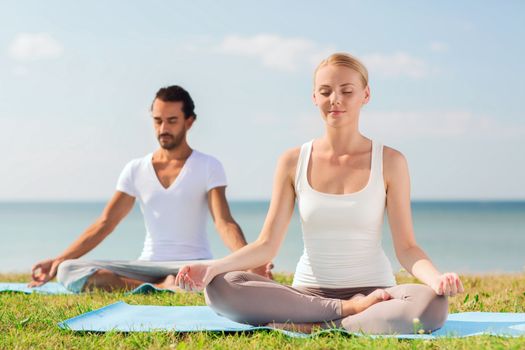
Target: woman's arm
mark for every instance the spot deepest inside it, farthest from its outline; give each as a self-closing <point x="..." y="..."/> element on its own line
<point x="409" y="254"/>
<point x="265" y="248"/>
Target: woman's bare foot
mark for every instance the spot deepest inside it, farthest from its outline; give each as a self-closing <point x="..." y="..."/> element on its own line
<point x="296" y="327"/>
<point x="357" y="297"/>
<point x="168" y="283"/>
<point x="359" y="303"/>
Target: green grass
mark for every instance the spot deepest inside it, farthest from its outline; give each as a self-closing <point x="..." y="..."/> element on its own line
<point x="30" y="321"/>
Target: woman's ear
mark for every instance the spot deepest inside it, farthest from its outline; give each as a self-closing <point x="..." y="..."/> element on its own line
<point x="314" y="100"/>
<point x="367" y="95"/>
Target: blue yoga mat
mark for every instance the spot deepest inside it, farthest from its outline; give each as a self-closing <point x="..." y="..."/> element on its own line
<point x="144" y="318"/>
<point x="48" y="288"/>
<point x="57" y="288"/>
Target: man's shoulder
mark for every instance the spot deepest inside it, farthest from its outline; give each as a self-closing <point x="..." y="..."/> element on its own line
<point x="206" y="158"/>
<point x="137" y="163"/>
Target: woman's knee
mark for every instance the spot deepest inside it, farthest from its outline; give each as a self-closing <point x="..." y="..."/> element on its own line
<point x="435" y="310"/>
<point x="221" y="286"/>
<point x="224" y="294"/>
<point x="227" y="279"/>
<point x="424" y="305"/>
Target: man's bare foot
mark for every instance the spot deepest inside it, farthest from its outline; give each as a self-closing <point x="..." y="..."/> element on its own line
<point x="359" y="303"/>
<point x="168" y="283"/>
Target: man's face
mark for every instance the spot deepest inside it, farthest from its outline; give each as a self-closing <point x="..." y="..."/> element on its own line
<point x="169" y="123"/>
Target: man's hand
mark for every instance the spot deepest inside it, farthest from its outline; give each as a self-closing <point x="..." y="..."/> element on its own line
<point x="43" y="271"/>
<point x="265" y="270"/>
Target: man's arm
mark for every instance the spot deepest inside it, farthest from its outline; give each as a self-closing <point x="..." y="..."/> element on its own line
<point x="116" y="209"/>
<point x="229" y="230"/>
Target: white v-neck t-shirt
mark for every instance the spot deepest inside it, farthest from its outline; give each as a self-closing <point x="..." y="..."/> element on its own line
<point x="175" y="217"/>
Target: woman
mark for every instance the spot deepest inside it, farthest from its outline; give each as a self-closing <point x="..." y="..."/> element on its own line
<point x="342" y="183"/>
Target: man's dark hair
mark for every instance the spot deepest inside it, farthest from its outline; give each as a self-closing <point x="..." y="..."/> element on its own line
<point x="176" y="93"/>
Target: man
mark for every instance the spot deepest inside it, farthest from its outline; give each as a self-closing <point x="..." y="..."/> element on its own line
<point x="175" y="186"/>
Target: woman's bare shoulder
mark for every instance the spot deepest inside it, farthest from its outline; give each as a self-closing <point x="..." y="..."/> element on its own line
<point x="392" y="155"/>
<point x="291" y="155"/>
<point x="288" y="159"/>
<point x="394" y="163"/>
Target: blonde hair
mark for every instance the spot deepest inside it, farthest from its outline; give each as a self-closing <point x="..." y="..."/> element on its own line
<point x="345" y="60"/>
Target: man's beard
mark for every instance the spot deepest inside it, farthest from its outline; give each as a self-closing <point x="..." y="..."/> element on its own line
<point x="175" y="141"/>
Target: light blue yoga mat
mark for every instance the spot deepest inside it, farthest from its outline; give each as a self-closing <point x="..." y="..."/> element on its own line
<point x="57" y="288"/>
<point x="48" y="288"/>
<point x="144" y="318"/>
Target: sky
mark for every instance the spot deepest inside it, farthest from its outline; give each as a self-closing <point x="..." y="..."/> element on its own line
<point x="77" y="80"/>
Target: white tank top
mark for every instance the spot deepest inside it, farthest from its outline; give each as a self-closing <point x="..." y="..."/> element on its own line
<point x="342" y="232"/>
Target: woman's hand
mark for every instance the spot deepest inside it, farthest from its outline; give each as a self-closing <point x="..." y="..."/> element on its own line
<point x="194" y="278"/>
<point x="265" y="271"/>
<point x="448" y="284"/>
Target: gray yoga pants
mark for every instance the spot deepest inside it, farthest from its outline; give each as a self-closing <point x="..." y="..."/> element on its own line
<point x="74" y="273"/>
<point x="249" y="298"/>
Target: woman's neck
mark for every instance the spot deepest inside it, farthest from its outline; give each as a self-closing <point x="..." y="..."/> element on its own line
<point x="343" y="140"/>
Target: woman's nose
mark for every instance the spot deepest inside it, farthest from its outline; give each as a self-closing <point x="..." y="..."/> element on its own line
<point x="334" y="98"/>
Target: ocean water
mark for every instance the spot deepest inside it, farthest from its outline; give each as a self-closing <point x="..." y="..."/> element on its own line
<point x="469" y="237"/>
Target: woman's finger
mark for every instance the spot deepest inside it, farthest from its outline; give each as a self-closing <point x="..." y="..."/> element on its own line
<point x="449" y="287"/>
<point x="453" y="286"/>
<point x="460" y="286"/>
<point x="445" y="287"/>
<point x="441" y="288"/>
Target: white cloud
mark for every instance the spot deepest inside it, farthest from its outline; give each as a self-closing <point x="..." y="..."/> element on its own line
<point x="287" y="54"/>
<point x="291" y="54"/>
<point x="34" y="46"/>
<point x="390" y="125"/>
<point x="438" y="124"/>
<point x="395" y="65"/>
<point x="438" y="46"/>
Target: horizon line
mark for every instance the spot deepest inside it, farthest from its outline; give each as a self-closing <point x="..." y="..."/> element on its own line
<point x="80" y="200"/>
